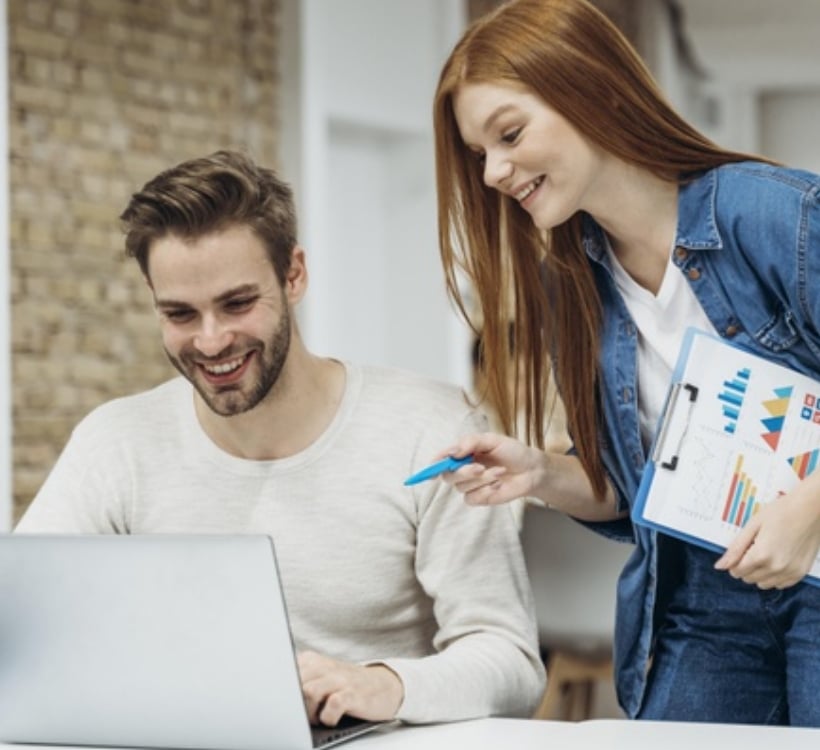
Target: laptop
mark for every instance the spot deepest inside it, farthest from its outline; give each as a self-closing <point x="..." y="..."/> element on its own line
<point x="172" y="641"/>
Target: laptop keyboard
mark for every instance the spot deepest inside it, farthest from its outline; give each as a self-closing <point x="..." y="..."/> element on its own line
<point x="347" y="727"/>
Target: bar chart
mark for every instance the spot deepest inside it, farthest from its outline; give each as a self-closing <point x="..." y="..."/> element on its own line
<point x="741" y="499"/>
<point x="732" y="397"/>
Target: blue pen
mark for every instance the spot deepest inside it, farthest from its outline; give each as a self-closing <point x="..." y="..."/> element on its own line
<point x="448" y="464"/>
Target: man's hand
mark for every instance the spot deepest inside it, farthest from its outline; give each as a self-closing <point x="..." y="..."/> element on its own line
<point x="333" y="688"/>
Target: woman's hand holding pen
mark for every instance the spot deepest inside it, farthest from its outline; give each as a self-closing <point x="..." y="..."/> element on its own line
<point x="502" y="469"/>
<point x="780" y="543"/>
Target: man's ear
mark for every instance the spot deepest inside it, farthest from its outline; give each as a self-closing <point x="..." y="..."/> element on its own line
<point x="296" y="280"/>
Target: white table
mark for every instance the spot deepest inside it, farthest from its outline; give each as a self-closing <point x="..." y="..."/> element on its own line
<point x="601" y="734"/>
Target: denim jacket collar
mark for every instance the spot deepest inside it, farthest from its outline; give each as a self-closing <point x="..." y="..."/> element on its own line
<point x="697" y="225"/>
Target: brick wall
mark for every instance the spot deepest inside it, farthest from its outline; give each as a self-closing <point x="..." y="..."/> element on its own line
<point x="103" y="95"/>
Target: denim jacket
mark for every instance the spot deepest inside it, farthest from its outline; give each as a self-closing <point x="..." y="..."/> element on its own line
<point x="748" y="241"/>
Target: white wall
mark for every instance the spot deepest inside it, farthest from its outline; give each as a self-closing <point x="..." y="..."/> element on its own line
<point x="763" y="74"/>
<point x="357" y="146"/>
<point x="789" y="126"/>
<point x="658" y="49"/>
<point x="5" y="293"/>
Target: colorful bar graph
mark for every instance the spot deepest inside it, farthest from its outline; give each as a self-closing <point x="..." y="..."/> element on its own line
<point x="741" y="499"/>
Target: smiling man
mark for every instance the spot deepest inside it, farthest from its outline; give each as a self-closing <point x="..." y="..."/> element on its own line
<point x="404" y="603"/>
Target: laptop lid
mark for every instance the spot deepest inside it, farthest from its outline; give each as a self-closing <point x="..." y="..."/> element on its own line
<point x="147" y="641"/>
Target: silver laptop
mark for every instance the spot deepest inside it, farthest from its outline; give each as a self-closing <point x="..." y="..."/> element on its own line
<point x="149" y="641"/>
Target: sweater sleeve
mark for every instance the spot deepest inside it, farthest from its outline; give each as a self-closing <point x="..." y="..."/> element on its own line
<point x="486" y="660"/>
<point x="83" y="493"/>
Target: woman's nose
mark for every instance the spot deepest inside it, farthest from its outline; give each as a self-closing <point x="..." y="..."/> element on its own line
<point x="497" y="170"/>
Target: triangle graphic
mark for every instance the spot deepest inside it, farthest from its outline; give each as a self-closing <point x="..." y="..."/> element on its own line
<point x="777" y="407"/>
<point x="773" y="424"/>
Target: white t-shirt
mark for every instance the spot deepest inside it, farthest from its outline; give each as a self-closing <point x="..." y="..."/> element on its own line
<point x="661" y="321"/>
<point x="372" y="570"/>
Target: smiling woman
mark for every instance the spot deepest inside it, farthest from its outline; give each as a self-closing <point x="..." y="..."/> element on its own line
<point x="608" y="225"/>
<point x="546" y="169"/>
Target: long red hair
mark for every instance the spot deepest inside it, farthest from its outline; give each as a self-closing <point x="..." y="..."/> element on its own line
<point x="568" y="53"/>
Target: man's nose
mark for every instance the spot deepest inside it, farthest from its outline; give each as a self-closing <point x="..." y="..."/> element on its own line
<point x="213" y="336"/>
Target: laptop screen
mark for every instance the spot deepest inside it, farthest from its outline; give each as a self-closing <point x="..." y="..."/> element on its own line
<point x="150" y="641"/>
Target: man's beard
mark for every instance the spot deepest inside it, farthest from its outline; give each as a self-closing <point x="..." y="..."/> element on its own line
<point x="229" y="400"/>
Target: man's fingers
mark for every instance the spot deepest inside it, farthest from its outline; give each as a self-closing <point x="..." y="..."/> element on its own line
<point x="333" y="709"/>
<point x="318" y="693"/>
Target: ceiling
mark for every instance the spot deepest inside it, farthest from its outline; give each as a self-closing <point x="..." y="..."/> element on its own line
<point x="756" y="43"/>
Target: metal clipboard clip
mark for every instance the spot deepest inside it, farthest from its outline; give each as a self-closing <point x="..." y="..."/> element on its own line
<point x="673" y="426"/>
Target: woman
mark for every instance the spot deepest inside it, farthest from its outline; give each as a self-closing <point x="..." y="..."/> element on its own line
<point x="571" y="193"/>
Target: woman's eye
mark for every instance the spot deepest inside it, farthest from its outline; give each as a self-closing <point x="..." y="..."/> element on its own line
<point x="511" y="136"/>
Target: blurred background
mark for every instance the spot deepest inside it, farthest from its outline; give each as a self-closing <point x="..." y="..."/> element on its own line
<point x="100" y="95"/>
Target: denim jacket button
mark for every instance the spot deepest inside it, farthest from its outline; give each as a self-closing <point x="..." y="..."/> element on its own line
<point x="681" y="253"/>
<point x="731" y="330"/>
<point x="693" y="274"/>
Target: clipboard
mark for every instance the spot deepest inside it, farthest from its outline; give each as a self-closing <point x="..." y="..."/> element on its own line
<point x="736" y="432"/>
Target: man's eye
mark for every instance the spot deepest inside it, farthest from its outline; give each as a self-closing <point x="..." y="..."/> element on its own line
<point x="179" y="316"/>
<point x="511" y="136"/>
<point x="239" y="305"/>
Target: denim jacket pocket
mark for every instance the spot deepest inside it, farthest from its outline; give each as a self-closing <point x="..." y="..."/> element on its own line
<point x="779" y="333"/>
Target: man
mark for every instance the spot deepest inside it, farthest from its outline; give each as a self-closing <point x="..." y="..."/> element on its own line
<point x="404" y="602"/>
